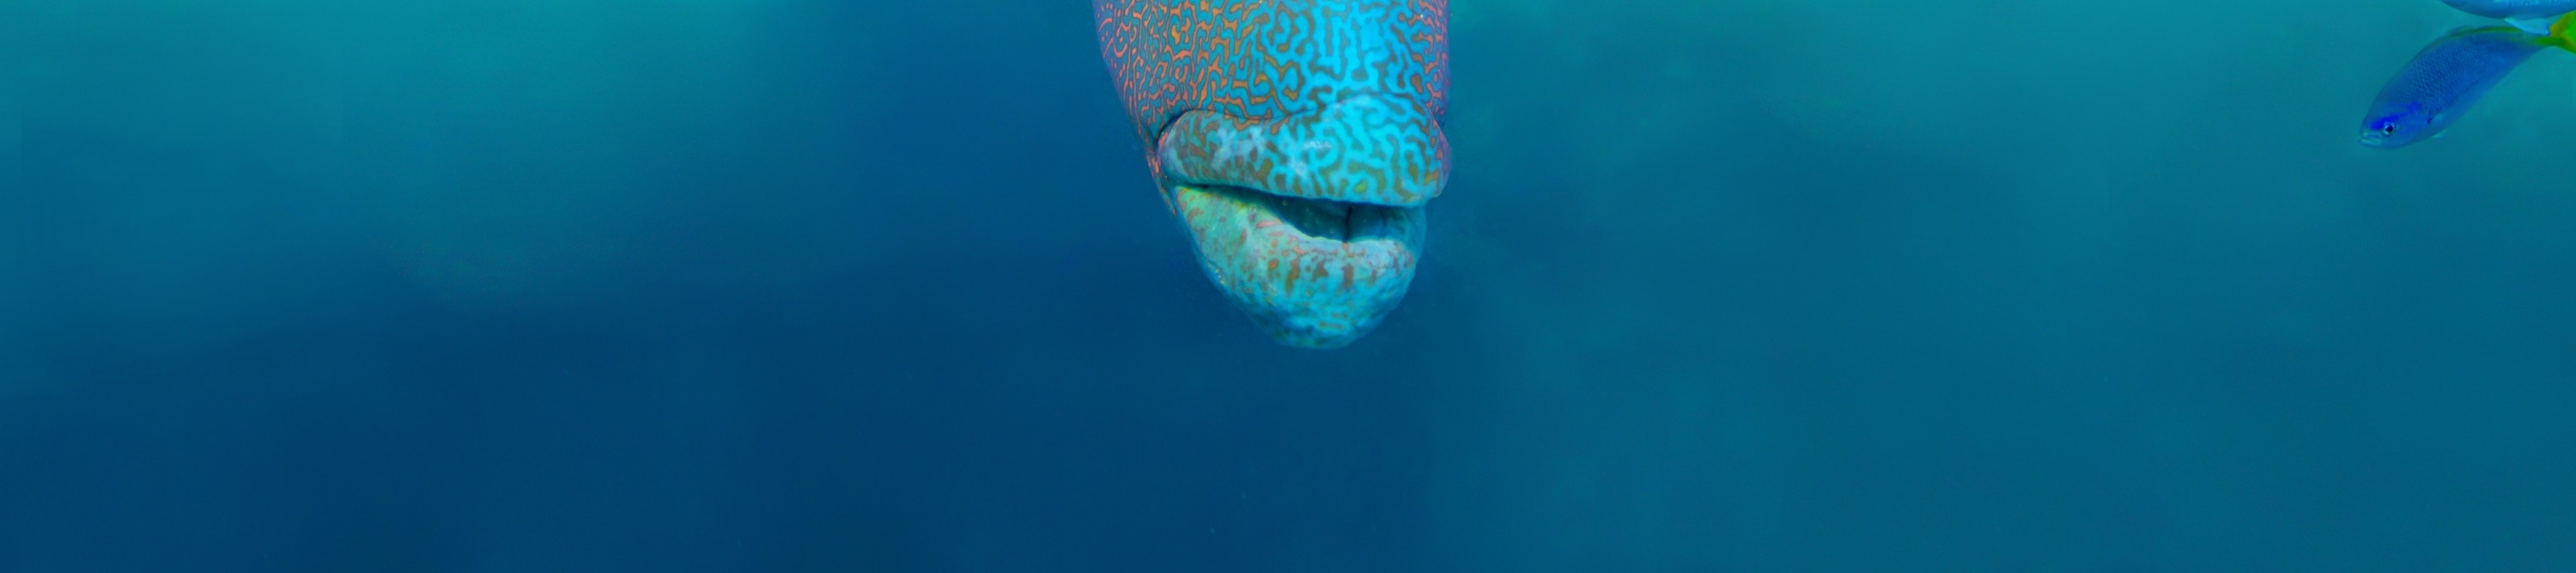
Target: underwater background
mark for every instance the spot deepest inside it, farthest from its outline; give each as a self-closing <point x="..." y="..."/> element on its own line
<point x="797" y="285"/>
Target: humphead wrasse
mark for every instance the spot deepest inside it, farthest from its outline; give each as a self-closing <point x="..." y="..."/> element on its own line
<point x="1296" y="140"/>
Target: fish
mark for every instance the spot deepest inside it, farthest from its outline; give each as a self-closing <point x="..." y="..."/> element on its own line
<point x="2530" y="15"/>
<point x="1297" y="142"/>
<point x="2445" y="79"/>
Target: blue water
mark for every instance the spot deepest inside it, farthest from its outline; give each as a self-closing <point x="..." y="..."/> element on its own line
<point x="795" y="285"/>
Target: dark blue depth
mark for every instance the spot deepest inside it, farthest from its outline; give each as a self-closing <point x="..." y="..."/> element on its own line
<point x="579" y="285"/>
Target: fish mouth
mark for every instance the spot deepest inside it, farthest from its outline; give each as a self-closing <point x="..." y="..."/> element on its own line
<point x="1312" y="224"/>
<point x="1312" y="273"/>
<point x="2377" y="139"/>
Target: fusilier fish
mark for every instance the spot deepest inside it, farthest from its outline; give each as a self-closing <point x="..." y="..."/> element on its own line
<point x="2444" y="80"/>
<point x="2529" y="15"/>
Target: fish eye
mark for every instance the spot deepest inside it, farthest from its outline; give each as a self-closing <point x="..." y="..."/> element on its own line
<point x="2388" y="129"/>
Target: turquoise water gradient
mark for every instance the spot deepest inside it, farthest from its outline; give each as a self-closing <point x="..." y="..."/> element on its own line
<point x="803" y="285"/>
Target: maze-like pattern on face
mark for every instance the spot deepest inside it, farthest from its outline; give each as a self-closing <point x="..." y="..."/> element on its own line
<point x="1297" y="141"/>
<point x="1337" y="100"/>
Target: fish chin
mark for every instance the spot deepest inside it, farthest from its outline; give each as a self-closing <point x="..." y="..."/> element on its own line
<point x="1312" y="273"/>
<point x="2391" y="130"/>
<point x="1312" y="222"/>
<point x="2373" y="138"/>
<point x="2402" y="138"/>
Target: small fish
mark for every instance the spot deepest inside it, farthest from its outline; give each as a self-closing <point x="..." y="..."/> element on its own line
<point x="2530" y="15"/>
<point x="2446" y="78"/>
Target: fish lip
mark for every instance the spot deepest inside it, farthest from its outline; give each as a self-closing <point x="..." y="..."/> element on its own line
<point x="1363" y="148"/>
<point x="2374" y="139"/>
<point x="1307" y="279"/>
<point x="1322" y="263"/>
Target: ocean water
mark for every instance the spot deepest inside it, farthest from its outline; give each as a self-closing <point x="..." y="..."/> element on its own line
<point x="884" y="285"/>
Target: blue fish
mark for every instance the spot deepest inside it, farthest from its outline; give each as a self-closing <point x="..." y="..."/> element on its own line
<point x="2530" y="15"/>
<point x="2445" y="79"/>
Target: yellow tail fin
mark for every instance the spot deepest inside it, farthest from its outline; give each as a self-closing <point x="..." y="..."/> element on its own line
<point x="2558" y="32"/>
